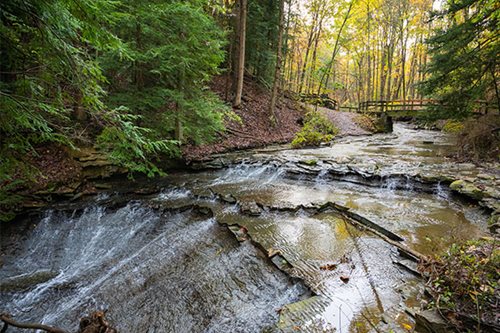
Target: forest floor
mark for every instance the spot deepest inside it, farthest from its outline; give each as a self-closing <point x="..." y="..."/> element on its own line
<point x="346" y="122"/>
<point x="255" y="128"/>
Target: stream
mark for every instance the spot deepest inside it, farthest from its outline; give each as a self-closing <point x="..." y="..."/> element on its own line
<point x="244" y="247"/>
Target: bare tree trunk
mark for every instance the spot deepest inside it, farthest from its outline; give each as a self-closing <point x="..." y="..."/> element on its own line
<point x="314" y="55"/>
<point x="277" y="71"/>
<point x="309" y="44"/>
<point x="369" y="74"/>
<point x="287" y="50"/>
<point x="410" y="92"/>
<point x="403" y="63"/>
<point x="390" y="58"/>
<point x="326" y="74"/>
<point x="241" y="53"/>
<point x="382" y="72"/>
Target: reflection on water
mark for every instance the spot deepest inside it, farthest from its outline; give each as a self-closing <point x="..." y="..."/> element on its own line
<point x="184" y="273"/>
<point x="152" y="272"/>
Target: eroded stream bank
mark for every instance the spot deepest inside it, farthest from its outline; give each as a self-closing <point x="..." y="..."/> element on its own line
<point x="163" y="264"/>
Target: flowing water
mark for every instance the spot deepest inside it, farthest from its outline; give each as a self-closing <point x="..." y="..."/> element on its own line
<point x="160" y="264"/>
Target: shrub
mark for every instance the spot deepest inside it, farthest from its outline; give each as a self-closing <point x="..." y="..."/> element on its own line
<point x="317" y="129"/>
<point x="365" y="122"/>
<point x="453" y="126"/>
<point x="480" y="139"/>
<point x="464" y="284"/>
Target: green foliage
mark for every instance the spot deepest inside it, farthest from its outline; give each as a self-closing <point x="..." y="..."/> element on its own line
<point x="317" y="129"/>
<point x="453" y="126"/>
<point x="8" y="200"/>
<point x="261" y="36"/>
<point x="173" y="49"/>
<point x="119" y="73"/>
<point x="464" y="57"/>
<point x="46" y="69"/>
<point x="130" y="146"/>
<point x="202" y="116"/>
<point x="464" y="281"/>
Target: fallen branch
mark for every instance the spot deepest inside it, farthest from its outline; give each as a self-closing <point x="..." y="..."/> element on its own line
<point x="7" y="320"/>
<point x="386" y="235"/>
<point x="95" y="323"/>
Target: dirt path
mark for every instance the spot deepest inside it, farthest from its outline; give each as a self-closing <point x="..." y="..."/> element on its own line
<point x="344" y="121"/>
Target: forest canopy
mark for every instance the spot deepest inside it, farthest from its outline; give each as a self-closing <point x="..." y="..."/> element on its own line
<point x="132" y="77"/>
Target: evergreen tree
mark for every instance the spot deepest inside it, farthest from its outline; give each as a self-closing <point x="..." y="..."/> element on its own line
<point x="464" y="65"/>
<point x="173" y="49"/>
<point x="261" y="39"/>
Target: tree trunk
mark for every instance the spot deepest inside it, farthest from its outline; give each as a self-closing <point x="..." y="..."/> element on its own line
<point x="309" y="44"/>
<point x="277" y="71"/>
<point x="241" y="53"/>
<point x="369" y="74"/>
<point x="314" y="55"/>
<point x="287" y="50"/>
<point x="326" y="75"/>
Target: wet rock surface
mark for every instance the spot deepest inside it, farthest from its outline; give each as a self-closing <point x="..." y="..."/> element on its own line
<point x="26" y="280"/>
<point x="209" y="252"/>
<point x="176" y="272"/>
<point x="429" y="321"/>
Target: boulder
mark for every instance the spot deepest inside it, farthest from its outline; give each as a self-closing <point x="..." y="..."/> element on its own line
<point x="468" y="189"/>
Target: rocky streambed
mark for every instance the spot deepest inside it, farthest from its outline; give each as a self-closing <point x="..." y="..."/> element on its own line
<point x="271" y="240"/>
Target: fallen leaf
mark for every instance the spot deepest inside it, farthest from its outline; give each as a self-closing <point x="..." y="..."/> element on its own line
<point x="328" y="267"/>
<point x="344" y="278"/>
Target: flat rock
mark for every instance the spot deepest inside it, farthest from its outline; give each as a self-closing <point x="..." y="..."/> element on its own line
<point x="24" y="281"/>
<point x="229" y="198"/>
<point x="429" y="321"/>
<point x="467" y="189"/>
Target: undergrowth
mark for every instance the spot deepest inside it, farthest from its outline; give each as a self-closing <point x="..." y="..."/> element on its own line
<point x="366" y="122"/>
<point x="317" y="129"/>
<point x="480" y="139"/>
<point x="464" y="284"/>
<point x="453" y="126"/>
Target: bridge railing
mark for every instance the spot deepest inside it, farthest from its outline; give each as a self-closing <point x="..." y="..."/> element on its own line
<point x="396" y="106"/>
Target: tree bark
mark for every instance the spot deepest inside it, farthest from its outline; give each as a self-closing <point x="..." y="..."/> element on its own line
<point x="241" y="53"/>
<point x="326" y="75"/>
<point x="277" y="71"/>
<point x="308" y="49"/>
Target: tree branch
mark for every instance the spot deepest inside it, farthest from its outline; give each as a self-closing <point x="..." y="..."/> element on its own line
<point x="7" y="320"/>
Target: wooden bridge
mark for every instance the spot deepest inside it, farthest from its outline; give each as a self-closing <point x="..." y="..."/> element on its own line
<point x="403" y="108"/>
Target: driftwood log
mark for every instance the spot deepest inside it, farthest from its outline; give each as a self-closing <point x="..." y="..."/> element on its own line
<point x="94" y="323"/>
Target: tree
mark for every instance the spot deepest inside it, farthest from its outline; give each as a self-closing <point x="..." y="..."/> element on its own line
<point x="242" y="23"/>
<point x="326" y="74"/>
<point x="277" y="73"/>
<point x="464" y="56"/>
<point x="174" y="48"/>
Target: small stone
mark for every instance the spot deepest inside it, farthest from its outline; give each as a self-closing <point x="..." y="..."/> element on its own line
<point x="271" y="252"/>
<point x="485" y="176"/>
<point x="329" y="267"/>
<point x="228" y="198"/>
<point x="250" y="208"/>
